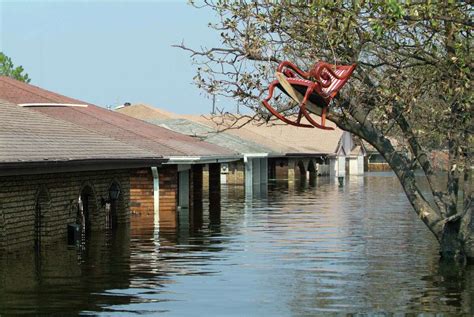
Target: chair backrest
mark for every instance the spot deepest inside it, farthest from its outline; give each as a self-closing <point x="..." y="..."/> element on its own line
<point x="332" y="77"/>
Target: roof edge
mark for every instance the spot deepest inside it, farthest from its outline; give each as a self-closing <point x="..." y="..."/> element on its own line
<point x="64" y="166"/>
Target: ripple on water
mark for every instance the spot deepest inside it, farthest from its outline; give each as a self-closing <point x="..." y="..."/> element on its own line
<point x="290" y="251"/>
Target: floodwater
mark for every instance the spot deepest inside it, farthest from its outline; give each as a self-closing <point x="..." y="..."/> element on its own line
<point x="289" y="251"/>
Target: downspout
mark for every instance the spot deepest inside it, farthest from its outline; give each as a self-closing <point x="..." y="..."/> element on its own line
<point x="156" y="195"/>
<point x="248" y="181"/>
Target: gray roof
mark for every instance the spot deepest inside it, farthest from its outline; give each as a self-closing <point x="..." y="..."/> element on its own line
<point x="30" y="136"/>
<point x="210" y="135"/>
<point x="273" y="137"/>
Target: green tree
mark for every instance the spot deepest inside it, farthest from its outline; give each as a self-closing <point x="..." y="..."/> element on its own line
<point x="413" y="81"/>
<point x="8" y="69"/>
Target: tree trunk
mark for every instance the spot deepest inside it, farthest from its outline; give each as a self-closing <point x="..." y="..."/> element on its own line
<point x="455" y="234"/>
<point x="451" y="244"/>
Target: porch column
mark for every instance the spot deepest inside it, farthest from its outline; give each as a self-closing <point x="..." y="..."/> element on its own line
<point x="264" y="170"/>
<point x="215" y="192"/>
<point x="195" y="198"/>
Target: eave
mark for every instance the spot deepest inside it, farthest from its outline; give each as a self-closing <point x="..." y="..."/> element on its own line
<point x="79" y="165"/>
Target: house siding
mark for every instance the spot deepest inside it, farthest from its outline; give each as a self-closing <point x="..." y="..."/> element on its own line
<point x="141" y="196"/>
<point x="236" y="174"/>
<point x="19" y="197"/>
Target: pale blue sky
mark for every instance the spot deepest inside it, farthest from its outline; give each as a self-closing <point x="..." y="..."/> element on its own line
<point x="109" y="52"/>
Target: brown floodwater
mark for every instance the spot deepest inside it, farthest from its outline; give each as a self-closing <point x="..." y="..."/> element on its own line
<point x="301" y="250"/>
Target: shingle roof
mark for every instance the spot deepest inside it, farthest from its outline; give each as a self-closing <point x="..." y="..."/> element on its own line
<point x="146" y="112"/>
<point x="29" y="136"/>
<point x="19" y="92"/>
<point x="278" y="138"/>
<point x="157" y="140"/>
<point x="210" y="135"/>
<point x="284" y="138"/>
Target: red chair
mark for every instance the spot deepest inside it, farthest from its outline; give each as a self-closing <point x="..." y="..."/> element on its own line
<point x="317" y="87"/>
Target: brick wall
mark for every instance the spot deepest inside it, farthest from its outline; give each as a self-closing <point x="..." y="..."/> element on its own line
<point x="168" y="175"/>
<point x="57" y="197"/>
<point x="278" y="168"/>
<point x="142" y="200"/>
<point x="236" y="173"/>
<point x="141" y="197"/>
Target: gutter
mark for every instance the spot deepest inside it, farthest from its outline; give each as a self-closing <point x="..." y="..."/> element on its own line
<point x="80" y="165"/>
<point x="308" y="154"/>
<point x="256" y="154"/>
<point x="248" y="156"/>
<point x="202" y="159"/>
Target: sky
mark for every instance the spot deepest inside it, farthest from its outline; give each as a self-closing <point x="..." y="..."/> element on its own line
<point x="110" y="52"/>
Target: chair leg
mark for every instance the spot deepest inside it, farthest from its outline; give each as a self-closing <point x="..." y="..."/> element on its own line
<point x="309" y="91"/>
<point x="314" y="123"/>
<point x="271" y="88"/>
<point x="323" y="116"/>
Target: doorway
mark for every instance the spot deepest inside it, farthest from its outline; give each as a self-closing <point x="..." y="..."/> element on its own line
<point x="86" y="209"/>
<point x="41" y="206"/>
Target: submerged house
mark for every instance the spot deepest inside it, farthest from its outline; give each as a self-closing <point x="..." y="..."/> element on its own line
<point x="305" y="153"/>
<point x="250" y="170"/>
<point x="54" y="174"/>
<point x="289" y="153"/>
<point x="157" y="193"/>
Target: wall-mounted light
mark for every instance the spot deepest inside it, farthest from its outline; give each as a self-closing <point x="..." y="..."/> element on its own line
<point x="114" y="193"/>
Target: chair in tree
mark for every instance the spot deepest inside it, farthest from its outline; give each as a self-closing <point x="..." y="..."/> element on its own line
<point x="316" y="87"/>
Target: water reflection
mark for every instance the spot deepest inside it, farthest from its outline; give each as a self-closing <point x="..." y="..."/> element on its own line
<point x="294" y="250"/>
<point x="63" y="279"/>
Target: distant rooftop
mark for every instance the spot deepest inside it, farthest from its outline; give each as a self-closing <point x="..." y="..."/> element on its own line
<point x="272" y="137"/>
<point x="208" y="134"/>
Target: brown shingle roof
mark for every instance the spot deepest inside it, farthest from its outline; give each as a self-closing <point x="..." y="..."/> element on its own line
<point x="29" y="136"/>
<point x="284" y="138"/>
<point x="135" y="132"/>
<point x="146" y="112"/>
<point x="19" y="92"/>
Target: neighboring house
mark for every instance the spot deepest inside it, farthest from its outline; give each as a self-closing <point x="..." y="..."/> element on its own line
<point x="157" y="192"/>
<point x="250" y="170"/>
<point x="54" y="174"/>
<point x="349" y="157"/>
<point x="254" y="160"/>
<point x="375" y="162"/>
<point x="293" y="153"/>
<point x="302" y="152"/>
